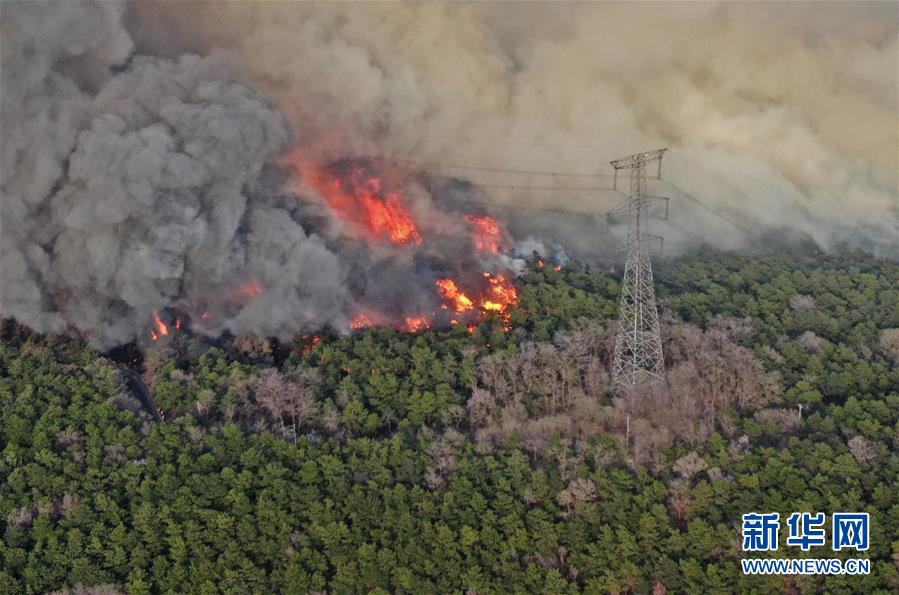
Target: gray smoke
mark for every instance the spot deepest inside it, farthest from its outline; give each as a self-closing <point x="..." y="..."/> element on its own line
<point x="778" y="115"/>
<point x="145" y="195"/>
<point x="141" y="142"/>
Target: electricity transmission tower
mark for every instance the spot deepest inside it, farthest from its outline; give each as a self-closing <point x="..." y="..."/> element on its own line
<point x="638" y="364"/>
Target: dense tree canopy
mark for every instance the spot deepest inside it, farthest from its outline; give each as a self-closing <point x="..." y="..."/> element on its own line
<point x="449" y="461"/>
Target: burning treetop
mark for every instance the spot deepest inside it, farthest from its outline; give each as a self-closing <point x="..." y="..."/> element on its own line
<point x="356" y="193"/>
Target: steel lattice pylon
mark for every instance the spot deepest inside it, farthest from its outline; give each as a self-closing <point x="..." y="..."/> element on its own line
<point x="638" y="362"/>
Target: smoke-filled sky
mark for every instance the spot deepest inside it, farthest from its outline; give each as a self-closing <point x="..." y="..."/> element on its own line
<point x="143" y="143"/>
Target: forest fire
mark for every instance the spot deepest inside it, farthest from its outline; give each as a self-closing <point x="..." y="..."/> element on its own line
<point x="367" y="196"/>
<point x="162" y="329"/>
<point x="251" y="289"/>
<point x="503" y="293"/>
<point x="498" y="296"/>
<point x="356" y="193"/>
<point x="450" y="291"/>
<point x="361" y="321"/>
<point x="310" y="342"/>
<point x="488" y="233"/>
<point x="388" y="216"/>
<point x="413" y="324"/>
<point x="495" y="295"/>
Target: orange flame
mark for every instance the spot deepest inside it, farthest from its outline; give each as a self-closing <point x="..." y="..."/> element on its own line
<point x="450" y="291"/>
<point x="389" y="216"/>
<point x="497" y="297"/>
<point x="308" y="347"/>
<point x="161" y="330"/>
<point x="360" y="197"/>
<point x="488" y="233"/>
<point x="503" y="292"/>
<point x="251" y="289"/>
<point x="163" y="327"/>
<point x="416" y="323"/>
<point x="361" y="321"/>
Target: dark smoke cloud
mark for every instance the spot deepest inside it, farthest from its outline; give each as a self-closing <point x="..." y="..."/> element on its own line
<point x="140" y="143"/>
<point x="141" y="197"/>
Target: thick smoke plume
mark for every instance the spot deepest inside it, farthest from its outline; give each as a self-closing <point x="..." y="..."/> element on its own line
<point x="140" y="197"/>
<point x="781" y="115"/>
<point x="169" y="157"/>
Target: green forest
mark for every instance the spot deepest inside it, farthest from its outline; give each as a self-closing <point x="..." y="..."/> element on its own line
<point x="448" y="461"/>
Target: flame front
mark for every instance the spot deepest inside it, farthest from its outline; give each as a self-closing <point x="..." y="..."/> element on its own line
<point x="310" y="344"/>
<point x="450" y="291"/>
<point x="388" y="216"/>
<point x="361" y="321"/>
<point x="163" y="327"/>
<point x="358" y="196"/>
<point x="414" y="324"/>
<point x="366" y="195"/>
<point x="488" y="233"/>
<point x="502" y="294"/>
<point x="498" y="296"/>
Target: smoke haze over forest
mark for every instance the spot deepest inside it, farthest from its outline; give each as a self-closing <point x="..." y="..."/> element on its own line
<point x="177" y="155"/>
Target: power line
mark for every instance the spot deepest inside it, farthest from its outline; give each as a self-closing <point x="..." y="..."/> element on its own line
<point x="713" y="210"/>
<point x="529" y="172"/>
<point x="684" y="230"/>
<point x="546" y="188"/>
<point x="326" y="177"/>
<point x="554" y="188"/>
<point x="453" y="166"/>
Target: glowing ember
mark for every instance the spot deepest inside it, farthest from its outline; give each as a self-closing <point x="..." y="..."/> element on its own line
<point x="416" y="323"/>
<point x="312" y="344"/>
<point x="488" y="233"/>
<point x="204" y="316"/>
<point x="163" y="327"/>
<point x="450" y="291"/>
<point x="361" y="321"/>
<point x="251" y="289"/>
